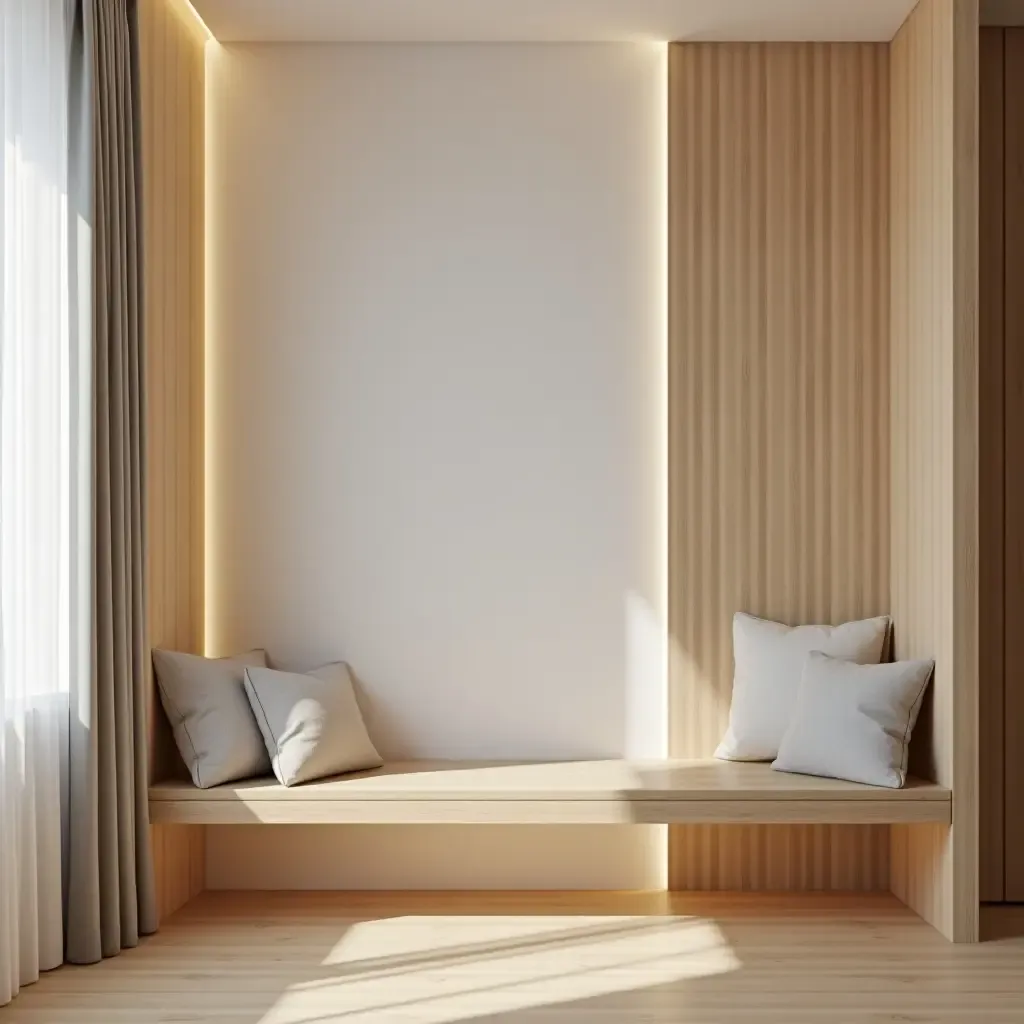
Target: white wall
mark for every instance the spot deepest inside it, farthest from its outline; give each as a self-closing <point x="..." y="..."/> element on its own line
<point x="436" y="412"/>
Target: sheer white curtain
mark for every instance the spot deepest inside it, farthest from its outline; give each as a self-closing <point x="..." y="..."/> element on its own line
<point x="39" y="453"/>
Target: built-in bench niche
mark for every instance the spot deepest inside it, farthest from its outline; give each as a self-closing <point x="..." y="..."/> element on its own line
<point x="821" y="443"/>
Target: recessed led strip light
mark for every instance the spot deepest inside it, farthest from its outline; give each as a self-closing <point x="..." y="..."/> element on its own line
<point x="190" y="7"/>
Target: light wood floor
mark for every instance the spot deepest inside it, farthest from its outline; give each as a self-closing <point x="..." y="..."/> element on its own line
<point x="538" y="959"/>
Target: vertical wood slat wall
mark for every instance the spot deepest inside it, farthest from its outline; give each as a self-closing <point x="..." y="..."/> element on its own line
<point x="1001" y="482"/>
<point x="172" y="64"/>
<point x="934" y="382"/>
<point x="779" y="402"/>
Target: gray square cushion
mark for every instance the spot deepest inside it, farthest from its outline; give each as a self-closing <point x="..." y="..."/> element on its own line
<point x="311" y="723"/>
<point x="213" y="724"/>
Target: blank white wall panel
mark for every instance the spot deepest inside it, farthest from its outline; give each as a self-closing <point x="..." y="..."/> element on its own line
<point x="436" y="399"/>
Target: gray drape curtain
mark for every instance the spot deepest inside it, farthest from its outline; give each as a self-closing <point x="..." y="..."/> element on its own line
<point x="110" y="898"/>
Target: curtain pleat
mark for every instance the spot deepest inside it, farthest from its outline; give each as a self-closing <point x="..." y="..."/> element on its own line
<point x="111" y="895"/>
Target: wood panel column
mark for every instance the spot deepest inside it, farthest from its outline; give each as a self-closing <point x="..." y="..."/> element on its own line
<point x="1001" y="468"/>
<point x="779" y="399"/>
<point x="934" y="502"/>
<point x="172" y="68"/>
<point x="1013" y="336"/>
<point x="991" y="466"/>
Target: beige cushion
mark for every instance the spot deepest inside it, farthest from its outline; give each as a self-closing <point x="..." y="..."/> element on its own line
<point x="854" y="721"/>
<point x="311" y="723"/>
<point x="214" y="727"/>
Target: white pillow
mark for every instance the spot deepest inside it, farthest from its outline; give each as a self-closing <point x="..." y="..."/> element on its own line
<point x="311" y="723"/>
<point x="769" y="663"/>
<point x="214" y="728"/>
<point x="854" y="721"/>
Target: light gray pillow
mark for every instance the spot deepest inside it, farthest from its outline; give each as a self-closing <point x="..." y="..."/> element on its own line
<point x="311" y="723"/>
<point x="769" y="659"/>
<point x="214" y="727"/>
<point x="854" y="721"/>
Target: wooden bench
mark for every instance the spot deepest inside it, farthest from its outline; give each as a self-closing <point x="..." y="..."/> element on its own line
<point x="561" y="792"/>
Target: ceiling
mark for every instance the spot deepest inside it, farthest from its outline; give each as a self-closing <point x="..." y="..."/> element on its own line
<point x="396" y="21"/>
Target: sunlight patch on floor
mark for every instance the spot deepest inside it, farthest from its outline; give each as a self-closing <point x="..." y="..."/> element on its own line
<point x="435" y="970"/>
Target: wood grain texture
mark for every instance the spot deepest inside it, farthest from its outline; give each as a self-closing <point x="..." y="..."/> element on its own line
<point x="964" y="912"/>
<point x="172" y="64"/>
<point x="537" y="958"/>
<point x="573" y="792"/>
<point x="705" y="780"/>
<point x="934" y="381"/>
<point x="992" y="465"/>
<point x="1014" y="447"/>
<point x="284" y="811"/>
<point x="779" y="405"/>
<point x="811" y="856"/>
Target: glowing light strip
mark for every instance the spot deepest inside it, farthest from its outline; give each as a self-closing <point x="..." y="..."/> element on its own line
<point x="198" y="18"/>
<point x="662" y="863"/>
<point x="663" y="412"/>
<point x="209" y="476"/>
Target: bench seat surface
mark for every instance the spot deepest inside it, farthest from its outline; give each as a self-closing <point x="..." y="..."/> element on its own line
<point x="609" y="791"/>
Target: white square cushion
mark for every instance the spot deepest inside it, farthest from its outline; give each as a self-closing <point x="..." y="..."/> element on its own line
<point x="214" y="727"/>
<point x="311" y="723"/>
<point x="769" y="660"/>
<point x="854" y="721"/>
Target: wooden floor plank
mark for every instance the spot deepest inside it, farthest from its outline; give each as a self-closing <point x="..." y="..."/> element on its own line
<point x="538" y="958"/>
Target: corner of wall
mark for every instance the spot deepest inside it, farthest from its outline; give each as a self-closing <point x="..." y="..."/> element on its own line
<point x="934" y="86"/>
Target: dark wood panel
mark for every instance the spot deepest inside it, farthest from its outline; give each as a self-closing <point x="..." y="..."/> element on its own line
<point x="1014" y="480"/>
<point x="991" y="465"/>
